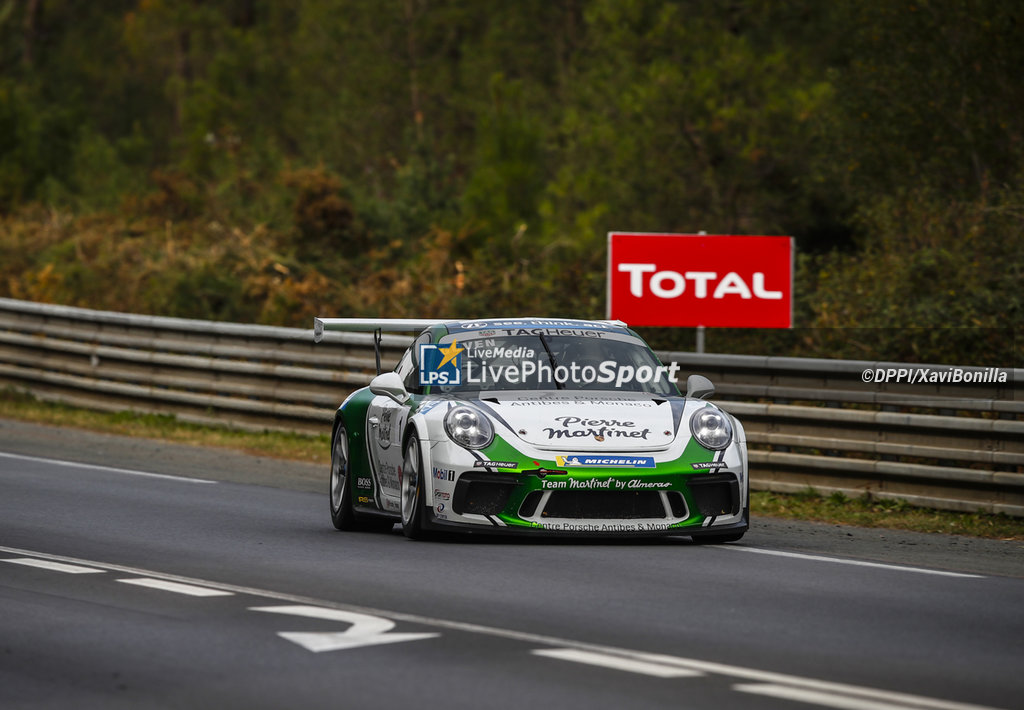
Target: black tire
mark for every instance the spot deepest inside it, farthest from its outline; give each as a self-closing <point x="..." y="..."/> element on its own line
<point x="342" y="514"/>
<point x="412" y="490"/>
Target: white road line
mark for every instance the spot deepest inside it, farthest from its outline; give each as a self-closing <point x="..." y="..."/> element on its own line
<point x="856" y="563"/>
<point x="52" y="566"/>
<point x="659" y="670"/>
<point x="829" y="700"/>
<point x="902" y="700"/>
<point x="98" y="467"/>
<point x="191" y="590"/>
<point x="708" y="667"/>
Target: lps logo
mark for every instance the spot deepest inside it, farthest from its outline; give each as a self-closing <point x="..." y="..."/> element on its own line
<point x="440" y="366"/>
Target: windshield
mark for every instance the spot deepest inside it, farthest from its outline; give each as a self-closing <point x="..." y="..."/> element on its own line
<point x="541" y="361"/>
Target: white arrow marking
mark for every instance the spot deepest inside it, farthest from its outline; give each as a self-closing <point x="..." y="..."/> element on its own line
<point x="366" y="630"/>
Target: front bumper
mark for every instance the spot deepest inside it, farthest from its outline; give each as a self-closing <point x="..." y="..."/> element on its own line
<point x="593" y="503"/>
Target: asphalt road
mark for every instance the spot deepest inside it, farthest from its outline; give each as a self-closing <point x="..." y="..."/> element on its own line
<point x="220" y="583"/>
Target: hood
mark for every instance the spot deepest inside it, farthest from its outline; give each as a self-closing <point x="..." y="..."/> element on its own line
<point x="580" y="421"/>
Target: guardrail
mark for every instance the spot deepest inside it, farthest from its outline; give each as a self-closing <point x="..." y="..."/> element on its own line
<point x="814" y="423"/>
<point x="246" y="376"/>
<point x="810" y="423"/>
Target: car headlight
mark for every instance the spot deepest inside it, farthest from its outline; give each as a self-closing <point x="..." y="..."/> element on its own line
<point x="468" y="427"/>
<point x="711" y="428"/>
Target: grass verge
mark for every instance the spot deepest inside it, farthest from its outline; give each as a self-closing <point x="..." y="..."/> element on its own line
<point x="809" y="505"/>
<point x="870" y="512"/>
<point x="295" y="447"/>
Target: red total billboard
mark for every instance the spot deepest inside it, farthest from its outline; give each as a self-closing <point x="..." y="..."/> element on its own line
<point x="689" y="280"/>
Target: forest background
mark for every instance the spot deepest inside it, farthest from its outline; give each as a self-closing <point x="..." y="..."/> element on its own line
<point x="265" y="162"/>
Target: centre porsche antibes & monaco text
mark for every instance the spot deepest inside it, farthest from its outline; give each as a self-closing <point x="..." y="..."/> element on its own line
<point x="542" y="426"/>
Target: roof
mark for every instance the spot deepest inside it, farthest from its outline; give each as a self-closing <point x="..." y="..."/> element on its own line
<point x="460" y="326"/>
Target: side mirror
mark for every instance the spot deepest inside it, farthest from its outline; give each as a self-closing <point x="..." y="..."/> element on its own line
<point x="390" y="385"/>
<point x="699" y="387"/>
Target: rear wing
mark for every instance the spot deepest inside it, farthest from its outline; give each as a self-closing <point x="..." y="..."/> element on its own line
<point x="371" y="325"/>
<point x="414" y="325"/>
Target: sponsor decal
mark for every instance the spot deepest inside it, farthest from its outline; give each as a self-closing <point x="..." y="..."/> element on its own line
<point x="443" y="495"/>
<point x="545" y="324"/>
<point x="709" y="465"/>
<point x="440" y="366"/>
<point x="427" y="406"/>
<point x="440" y="508"/>
<point x="578" y="332"/>
<point x="388" y="475"/>
<point x="600" y="429"/>
<point x="444" y="474"/>
<point x="496" y="464"/>
<point x="364" y="482"/>
<point x="602" y="483"/>
<point x="605" y="527"/>
<point x="581" y="400"/>
<point x="637" y="483"/>
<point x="592" y="461"/>
<point x="542" y="472"/>
<point x="384" y="426"/>
<point x="363" y="499"/>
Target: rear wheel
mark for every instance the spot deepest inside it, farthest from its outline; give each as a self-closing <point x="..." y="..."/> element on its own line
<point x="341" y="495"/>
<point x="342" y="515"/>
<point x="412" y="490"/>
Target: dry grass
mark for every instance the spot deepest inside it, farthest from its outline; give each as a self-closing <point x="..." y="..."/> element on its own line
<point x="893" y="514"/>
<point x="295" y="447"/>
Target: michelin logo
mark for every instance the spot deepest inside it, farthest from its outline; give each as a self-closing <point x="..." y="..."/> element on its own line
<point x="605" y="461"/>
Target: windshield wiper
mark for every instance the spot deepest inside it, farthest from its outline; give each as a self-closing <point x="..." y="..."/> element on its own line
<point x="551" y="359"/>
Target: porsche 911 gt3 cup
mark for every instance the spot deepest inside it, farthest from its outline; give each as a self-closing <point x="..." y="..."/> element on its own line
<point x="543" y="426"/>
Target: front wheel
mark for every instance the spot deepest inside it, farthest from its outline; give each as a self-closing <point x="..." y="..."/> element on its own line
<point x="412" y="490"/>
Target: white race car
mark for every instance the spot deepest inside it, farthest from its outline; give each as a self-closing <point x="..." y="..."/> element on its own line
<point x="534" y="426"/>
